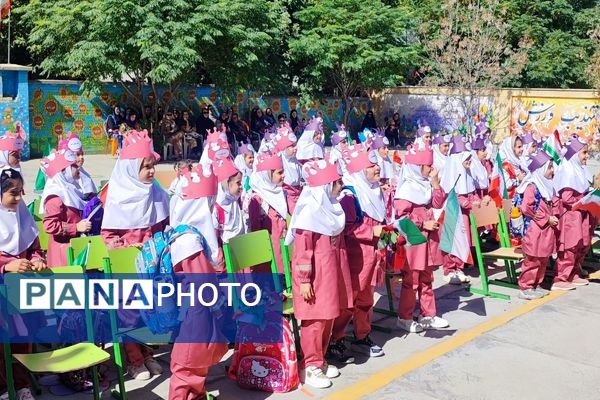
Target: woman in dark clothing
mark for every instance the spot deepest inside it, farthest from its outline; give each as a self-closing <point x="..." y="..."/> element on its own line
<point x="204" y="123"/>
<point x="269" y="117"/>
<point x="294" y="122"/>
<point x="260" y="123"/>
<point x="369" y="121"/>
<point x="113" y="123"/>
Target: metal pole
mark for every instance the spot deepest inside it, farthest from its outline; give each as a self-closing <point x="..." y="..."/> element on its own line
<point x="9" y="36"/>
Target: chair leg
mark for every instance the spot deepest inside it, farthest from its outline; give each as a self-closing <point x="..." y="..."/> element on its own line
<point x="96" y="382"/>
<point x="390" y="297"/>
<point x="121" y="394"/>
<point x="8" y="365"/>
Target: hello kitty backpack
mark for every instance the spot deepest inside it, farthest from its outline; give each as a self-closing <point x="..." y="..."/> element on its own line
<point x="270" y="367"/>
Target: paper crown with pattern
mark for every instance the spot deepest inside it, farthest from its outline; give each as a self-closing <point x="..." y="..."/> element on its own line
<point x="284" y="138"/>
<point x="422" y="131"/>
<point x="137" y="144"/>
<point x="379" y="142"/>
<point x="419" y="155"/>
<point x="56" y="161"/>
<point x="441" y="139"/>
<point x="246" y="148"/>
<point x="573" y="147"/>
<point x="218" y="149"/>
<point x="216" y="135"/>
<point x="538" y="160"/>
<point x="459" y="144"/>
<point x="11" y="141"/>
<point x="320" y="172"/>
<point x="72" y="142"/>
<point x="340" y="134"/>
<point x="268" y="162"/>
<point x="357" y="158"/>
<point x="315" y="124"/>
<point x="224" y="168"/>
<point x="478" y="144"/>
<point x="198" y="183"/>
<point x="527" y="137"/>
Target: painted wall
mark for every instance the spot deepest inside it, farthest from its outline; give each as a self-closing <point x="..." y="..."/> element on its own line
<point x="15" y="108"/>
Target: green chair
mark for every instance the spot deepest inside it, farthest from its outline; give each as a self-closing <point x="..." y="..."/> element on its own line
<point x="43" y="236"/>
<point x="96" y="251"/>
<point x="485" y="216"/>
<point x="71" y="358"/>
<point x="287" y="253"/>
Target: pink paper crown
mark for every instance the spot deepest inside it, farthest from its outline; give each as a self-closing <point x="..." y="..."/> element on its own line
<point x="284" y="138"/>
<point x="224" y="168"/>
<point x="137" y="144"/>
<point x="11" y="141"/>
<point x="200" y="182"/>
<point x="268" y="162"/>
<point x="216" y="135"/>
<point x="320" y="172"/>
<point x="218" y="150"/>
<point x="57" y="161"/>
<point x="419" y="156"/>
<point x="357" y="158"/>
<point x="72" y="142"/>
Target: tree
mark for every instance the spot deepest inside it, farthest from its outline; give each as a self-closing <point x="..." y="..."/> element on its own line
<point x="155" y="42"/>
<point x="470" y="52"/>
<point x="594" y="67"/>
<point x="347" y="46"/>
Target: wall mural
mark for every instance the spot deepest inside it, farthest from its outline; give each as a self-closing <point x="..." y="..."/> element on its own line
<point x="58" y="108"/>
<point x="568" y="116"/>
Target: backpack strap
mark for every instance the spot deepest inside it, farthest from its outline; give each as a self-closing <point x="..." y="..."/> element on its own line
<point x="359" y="212"/>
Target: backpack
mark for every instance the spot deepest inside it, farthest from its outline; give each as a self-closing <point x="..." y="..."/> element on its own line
<point x="154" y="262"/>
<point x="359" y="213"/>
<point x="518" y="222"/>
<point x="93" y="212"/>
<point x="269" y="367"/>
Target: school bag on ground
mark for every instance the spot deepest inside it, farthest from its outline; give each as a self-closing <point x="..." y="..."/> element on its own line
<point x="154" y="262"/>
<point x="269" y="367"/>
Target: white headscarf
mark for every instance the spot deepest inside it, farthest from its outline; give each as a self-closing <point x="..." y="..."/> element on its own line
<point x="335" y="155"/>
<point x="507" y="153"/>
<point x="4" y="154"/>
<point x="196" y="213"/>
<point x="307" y="148"/>
<point x="415" y="187"/>
<point x="240" y="164"/>
<point x="18" y="230"/>
<point x="85" y="182"/>
<point x="386" y="165"/>
<point x="271" y="194"/>
<point x="292" y="169"/>
<point x="544" y="185"/>
<point x="439" y="159"/>
<point x="478" y="172"/>
<point x="456" y="173"/>
<point x="66" y="188"/>
<point x="572" y="174"/>
<point x="130" y="203"/>
<point x="317" y="211"/>
<point x="370" y="196"/>
<point x="234" y="220"/>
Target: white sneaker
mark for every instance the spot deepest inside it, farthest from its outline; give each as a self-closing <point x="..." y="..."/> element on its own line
<point x="153" y="366"/>
<point x="330" y="371"/>
<point x="4" y="396"/>
<point x="139" y="373"/>
<point x="453" y="279"/>
<point x="25" y="394"/>
<point x="463" y="278"/>
<point x="409" y="325"/>
<point x="314" y="376"/>
<point x="434" y="322"/>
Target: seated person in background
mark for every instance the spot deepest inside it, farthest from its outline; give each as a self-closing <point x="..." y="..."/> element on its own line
<point x="170" y="133"/>
<point x="185" y="125"/>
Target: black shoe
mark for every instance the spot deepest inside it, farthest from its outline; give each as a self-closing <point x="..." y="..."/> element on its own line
<point x="336" y="352"/>
<point x="367" y="346"/>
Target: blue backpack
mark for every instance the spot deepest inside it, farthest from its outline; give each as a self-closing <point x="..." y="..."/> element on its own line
<point x="154" y="262"/>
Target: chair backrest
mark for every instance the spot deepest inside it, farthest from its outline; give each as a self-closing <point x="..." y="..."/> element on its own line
<point x="43" y="236"/>
<point x="485" y="215"/>
<point x="507" y="208"/>
<point x="165" y="178"/>
<point x="249" y="250"/>
<point x="97" y="251"/>
<point x="122" y="260"/>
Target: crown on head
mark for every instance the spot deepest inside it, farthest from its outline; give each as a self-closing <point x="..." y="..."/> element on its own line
<point x="284" y="138"/>
<point x="137" y="144"/>
<point x="268" y="162"/>
<point x="12" y="141"/>
<point x="246" y="148"/>
<point x="357" y="158"/>
<point x="574" y="146"/>
<point x="216" y="135"/>
<point x="72" y="142"/>
<point x="56" y="161"/>
<point x="440" y="139"/>
<point x="459" y="145"/>
<point x="218" y="150"/>
<point x="379" y="142"/>
<point x="320" y="172"/>
<point x="421" y="155"/>
<point x="422" y="131"/>
<point x="200" y="182"/>
<point x="527" y="137"/>
<point x="339" y="135"/>
<point x="315" y="124"/>
<point x="538" y="160"/>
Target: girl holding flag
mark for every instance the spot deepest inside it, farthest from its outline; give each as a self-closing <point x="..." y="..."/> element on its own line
<point x="511" y="150"/>
<point x="416" y="197"/>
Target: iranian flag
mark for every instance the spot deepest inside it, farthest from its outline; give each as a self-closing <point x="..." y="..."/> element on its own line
<point x="455" y="238"/>
<point x="553" y="147"/>
<point x="4" y="8"/>
<point x="497" y="184"/>
<point x="407" y="229"/>
<point x="590" y="203"/>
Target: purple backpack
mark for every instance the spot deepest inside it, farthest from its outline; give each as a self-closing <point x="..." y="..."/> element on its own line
<point x="94" y="212"/>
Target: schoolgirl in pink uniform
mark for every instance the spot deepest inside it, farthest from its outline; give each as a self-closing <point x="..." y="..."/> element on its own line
<point x="11" y="144"/>
<point x="73" y="143"/>
<point x="416" y="197"/>
<point x="480" y="171"/>
<point x="227" y="213"/>
<point x="541" y="207"/>
<point x="315" y="231"/>
<point x="194" y="352"/>
<point x="136" y="207"/>
<point x="285" y="143"/>
<point x="572" y="182"/>
<point x="62" y="204"/>
<point x="365" y="211"/>
<point x="267" y="208"/>
<point x="310" y="143"/>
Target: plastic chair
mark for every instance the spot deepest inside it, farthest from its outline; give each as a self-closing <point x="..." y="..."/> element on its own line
<point x="167" y="151"/>
<point x="71" y="358"/>
<point x="490" y="215"/>
<point x="43" y="236"/>
<point x="287" y="253"/>
<point x="96" y="251"/>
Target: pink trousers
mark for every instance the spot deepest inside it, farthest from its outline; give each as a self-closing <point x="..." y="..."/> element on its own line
<point x="417" y="283"/>
<point x="187" y="383"/>
<point x="532" y="272"/>
<point x="314" y="339"/>
<point x="360" y="314"/>
<point x="452" y="264"/>
<point x="568" y="264"/>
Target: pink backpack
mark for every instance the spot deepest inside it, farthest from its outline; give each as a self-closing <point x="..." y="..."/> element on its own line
<point x="270" y="367"/>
